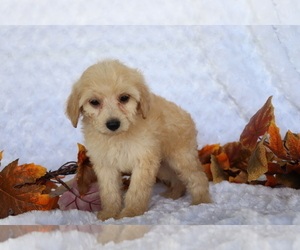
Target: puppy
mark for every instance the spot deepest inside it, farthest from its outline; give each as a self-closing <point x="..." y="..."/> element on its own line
<point x="131" y="130"/>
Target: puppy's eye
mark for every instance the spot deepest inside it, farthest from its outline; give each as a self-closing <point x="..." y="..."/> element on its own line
<point x="124" y="98"/>
<point x="94" y="103"/>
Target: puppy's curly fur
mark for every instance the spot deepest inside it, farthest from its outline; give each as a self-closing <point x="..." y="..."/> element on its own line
<point x="129" y="129"/>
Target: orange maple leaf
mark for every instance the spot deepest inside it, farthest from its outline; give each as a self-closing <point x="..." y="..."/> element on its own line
<point x="223" y="161"/>
<point x="258" y="125"/>
<point x="20" y="192"/>
<point x="206" y="152"/>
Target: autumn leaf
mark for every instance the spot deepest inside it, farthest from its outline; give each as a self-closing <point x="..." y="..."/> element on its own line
<point x="217" y="171"/>
<point x="207" y="171"/>
<point x="223" y="161"/>
<point x="291" y="180"/>
<point x="84" y="193"/>
<point x="251" y="157"/>
<point x="292" y="167"/>
<point x="1" y="153"/>
<point x="275" y="141"/>
<point x="237" y="154"/>
<point x="275" y="168"/>
<point x="85" y="174"/>
<point x="19" y="190"/>
<point x="271" y="181"/>
<point x="207" y="151"/>
<point x="258" y="164"/>
<point x="240" y="177"/>
<point x="293" y="145"/>
<point x="73" y="200"/>
<point x="258" y="125"/>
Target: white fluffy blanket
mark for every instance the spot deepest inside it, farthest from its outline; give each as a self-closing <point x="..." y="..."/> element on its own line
<point x="221" y="74"/>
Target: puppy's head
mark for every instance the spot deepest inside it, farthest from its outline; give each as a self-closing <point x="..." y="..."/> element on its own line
<point x="110" y="96"/>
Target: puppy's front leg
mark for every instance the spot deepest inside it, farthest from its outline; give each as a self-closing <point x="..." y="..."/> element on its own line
<point x="139" y="192"/>
<point x="110" y="184"/>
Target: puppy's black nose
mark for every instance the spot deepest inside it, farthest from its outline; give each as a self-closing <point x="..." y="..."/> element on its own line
<point x="113" y="125"/>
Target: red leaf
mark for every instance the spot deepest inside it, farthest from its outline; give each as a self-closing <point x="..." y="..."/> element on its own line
<point x="258" y="125"/>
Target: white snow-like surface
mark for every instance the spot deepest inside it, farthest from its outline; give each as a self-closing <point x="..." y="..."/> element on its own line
<point x="220" y="74"/>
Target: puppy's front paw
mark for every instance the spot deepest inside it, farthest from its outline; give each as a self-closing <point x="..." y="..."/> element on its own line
<point x="105" y="215"/>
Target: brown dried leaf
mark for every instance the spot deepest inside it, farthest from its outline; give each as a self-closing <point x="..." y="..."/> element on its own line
<point x="207" y="171"/>
<point x="85" y="174"/>
<point x="258" y="125"/>
<point x="275" y="168"/>
<point x="293" y="168"/>
<point x="241" y="177"/>
<point x="216" y="170"/>
<point x="291" y="180"/>
<point x="258" y="164"/>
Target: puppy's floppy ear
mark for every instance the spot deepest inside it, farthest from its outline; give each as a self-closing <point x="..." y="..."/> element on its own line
<point x="73" y="109"/>
<point x="145" y="100"/>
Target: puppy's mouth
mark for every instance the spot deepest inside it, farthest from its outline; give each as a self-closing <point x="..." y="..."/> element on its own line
<point x="113" y="124"/>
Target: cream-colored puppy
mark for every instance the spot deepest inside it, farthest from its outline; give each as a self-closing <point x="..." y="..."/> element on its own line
<point x="131" y="130"/>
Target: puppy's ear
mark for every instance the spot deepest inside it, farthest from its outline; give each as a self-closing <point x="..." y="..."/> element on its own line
<point x="73" y="109"/>
<point x="145" y="100"/>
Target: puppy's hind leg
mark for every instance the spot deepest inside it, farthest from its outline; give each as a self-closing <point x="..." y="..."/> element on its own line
<point x="190" y="172"/>
<point x="176" y="189"/>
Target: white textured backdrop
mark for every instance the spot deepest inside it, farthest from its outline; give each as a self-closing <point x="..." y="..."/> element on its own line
<point x="221" y="74"/>
<point x="148" y="12"/>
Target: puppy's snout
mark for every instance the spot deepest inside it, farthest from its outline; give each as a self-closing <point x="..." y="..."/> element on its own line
<point x="113" y="124"/>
